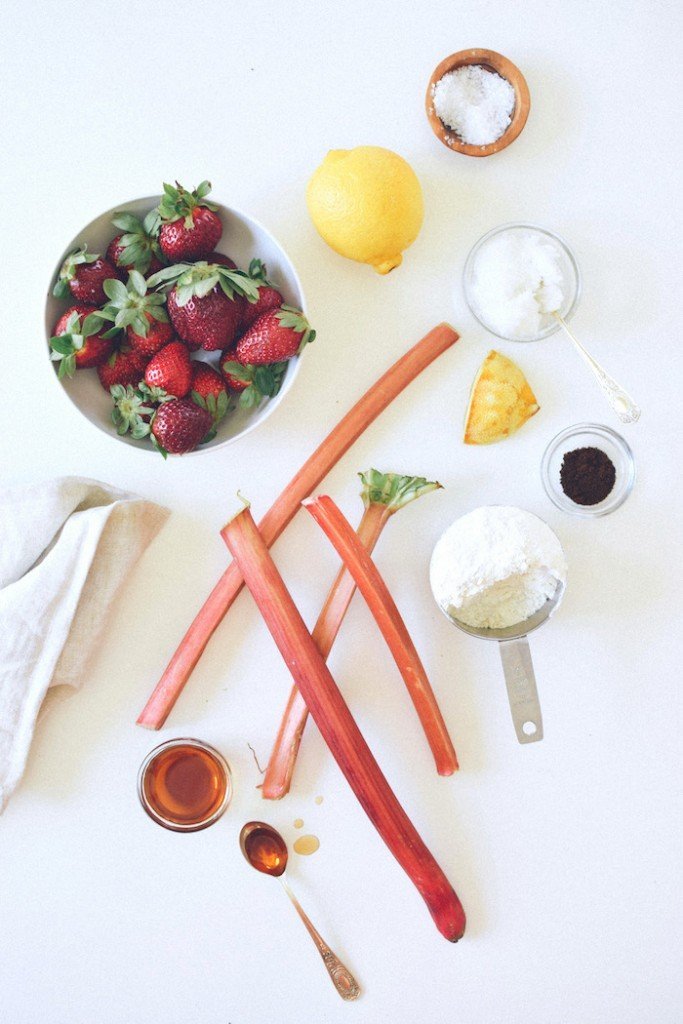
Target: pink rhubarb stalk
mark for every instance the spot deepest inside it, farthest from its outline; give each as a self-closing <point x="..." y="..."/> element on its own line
<point x="336" y="444"/>
<point x="388" y="618"/>
<point x="336" y="724"/>
<point x="383" y="495"/>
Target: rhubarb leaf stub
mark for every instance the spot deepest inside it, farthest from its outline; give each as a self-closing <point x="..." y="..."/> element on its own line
<point x="393" y="490"/>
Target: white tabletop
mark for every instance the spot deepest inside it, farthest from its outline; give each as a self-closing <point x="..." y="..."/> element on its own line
<point x="562" y="851"/>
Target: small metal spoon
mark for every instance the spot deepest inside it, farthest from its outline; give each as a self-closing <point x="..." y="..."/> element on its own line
<point x="266" y="850"/>
<point x="622" y="403"/>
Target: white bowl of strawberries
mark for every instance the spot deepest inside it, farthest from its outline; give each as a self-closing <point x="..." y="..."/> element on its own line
<point x="164" y="329"/>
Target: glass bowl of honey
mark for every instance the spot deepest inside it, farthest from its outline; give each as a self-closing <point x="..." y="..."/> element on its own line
<point x="185" y="784"/>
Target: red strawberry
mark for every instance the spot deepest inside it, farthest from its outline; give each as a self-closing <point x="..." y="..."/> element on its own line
<point x="206" y="381"/>
<point x="209" y="391"/>
<point x="222" y="259"/>
<point x="276" y="335"/>
<point x="268" y="296"/>
<point x="78" y="340"/>
<point x="209" y="322"/>
<point x="171" y="370"/>
<point x="179" y="426"/>
<point x="140" y="312"/>
<point x="116" y="251"/>
<point x="205" y="301"/>
<point x="233" y="382"/>
<point x="136" y="248"/>
<point x="158" y="335"/>
<point x="252" y="382"/>
<point x="83" y="275"/>
<point x="191" y="229"/>
<point x="124" y="367"/>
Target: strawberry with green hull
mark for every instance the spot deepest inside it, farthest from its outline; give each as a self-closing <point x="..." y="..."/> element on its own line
<point x="171" y="370"/>
<point x="140" y="312"/>
<point x="190" y="228"/>
<point x="134" y="408"/>
<point x="274" y="336"/>
<point x="79" y="340"/>
<point x="209" y="392"/>
<point x="124" y="366"/>
<point x="204" y="302"/>
<point x="268" y="296"/>
<point x="82" y="275"/>
<point x="252" y="383"/>
<point x="158" y="335"/>
<point x="179" y="426"/>
<point x="137" y="247"/>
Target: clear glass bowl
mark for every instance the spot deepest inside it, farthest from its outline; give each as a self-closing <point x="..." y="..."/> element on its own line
<point x="570" y="273"/>
<point x="589" y="435"/>
<point x="221" y="767"/>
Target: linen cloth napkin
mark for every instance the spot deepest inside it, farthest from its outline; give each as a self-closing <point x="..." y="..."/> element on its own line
<point x="66" y="548"/>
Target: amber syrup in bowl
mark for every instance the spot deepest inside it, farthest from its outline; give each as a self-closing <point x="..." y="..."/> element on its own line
<point x="184" y="785"/>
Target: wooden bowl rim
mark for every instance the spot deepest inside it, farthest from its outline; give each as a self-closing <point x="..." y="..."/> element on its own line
<point x="507" y="70"/>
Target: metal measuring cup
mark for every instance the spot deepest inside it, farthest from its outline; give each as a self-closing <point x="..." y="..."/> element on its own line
<point x="518" y="668"/>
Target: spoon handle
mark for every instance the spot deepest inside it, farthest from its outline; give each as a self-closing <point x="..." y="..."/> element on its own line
<point x="622" y="403"/>
<point x="342" y="979"/>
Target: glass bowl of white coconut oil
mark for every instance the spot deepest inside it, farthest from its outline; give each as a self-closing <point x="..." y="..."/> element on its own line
<point x="518" y="279"/>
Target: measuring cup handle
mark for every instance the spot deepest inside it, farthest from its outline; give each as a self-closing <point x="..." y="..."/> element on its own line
<point x="521" y="686"/>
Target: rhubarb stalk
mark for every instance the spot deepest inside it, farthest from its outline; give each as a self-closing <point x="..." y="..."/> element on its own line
<point x="337" y="725"/>
<point x="336" y="444"/>
<point x="388" y="618"/>
<point x="383" y="494"/>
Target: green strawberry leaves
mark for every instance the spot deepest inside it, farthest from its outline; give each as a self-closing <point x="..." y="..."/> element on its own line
<point x="61" y="289"/>
<point x="159" y="447"/>
<point x="257" y="272"/>
<point x="137" y="283"/>
<point x="264" y="381"/>
<point x="127" y="222"/>
<point x="69" y="270"/>
<point x="115" y="290"/>
<point x="65" y="346"/>
<point x="139" y="240"/>
<point x="131" y="305"/>
<point x="129" y="408"/>
<point x="134" y="408"/>
<point x="177" y="202"/>
<point x="198" y="279"/>
<point x="295" y="319"/>
<point x="203" y="288"/>
<point x="217" y="407"/>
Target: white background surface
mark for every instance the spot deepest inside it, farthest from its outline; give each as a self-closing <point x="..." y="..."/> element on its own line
<point x="563" y="852"/>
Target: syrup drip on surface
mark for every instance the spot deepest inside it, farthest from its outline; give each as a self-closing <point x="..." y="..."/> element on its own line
<point x="306" y="845"/>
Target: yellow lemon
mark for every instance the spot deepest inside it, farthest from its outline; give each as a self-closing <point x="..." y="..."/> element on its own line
<point x="367" y="205"/>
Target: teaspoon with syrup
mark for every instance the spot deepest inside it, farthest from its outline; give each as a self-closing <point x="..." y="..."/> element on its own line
<point x="266" y="850"/>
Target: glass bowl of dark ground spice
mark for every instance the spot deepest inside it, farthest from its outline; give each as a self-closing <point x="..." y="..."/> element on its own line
<point x="588" y="470"/>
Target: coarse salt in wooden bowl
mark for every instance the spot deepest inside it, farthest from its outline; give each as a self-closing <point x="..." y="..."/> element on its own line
<point x="491" y="61"/>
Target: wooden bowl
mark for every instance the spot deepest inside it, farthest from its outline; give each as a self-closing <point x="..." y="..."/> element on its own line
<point x="492" y="61"/>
